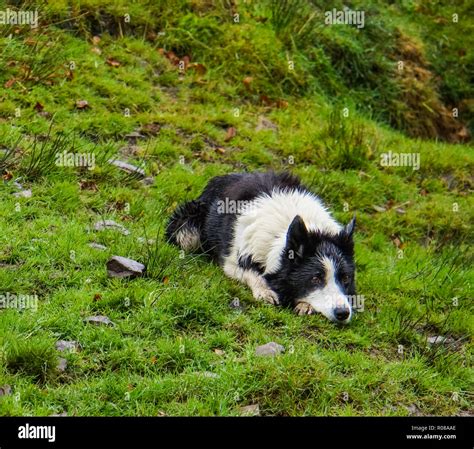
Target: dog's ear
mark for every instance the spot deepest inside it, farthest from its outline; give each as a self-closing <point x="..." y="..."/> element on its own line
<point x="296" y="239"/>
<point x="346" y="237"/>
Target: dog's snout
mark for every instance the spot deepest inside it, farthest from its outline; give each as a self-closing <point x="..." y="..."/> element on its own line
<point x="341" y="313"/>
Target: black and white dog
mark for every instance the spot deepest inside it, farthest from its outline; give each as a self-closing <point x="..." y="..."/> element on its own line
<point x="268" y="231"/>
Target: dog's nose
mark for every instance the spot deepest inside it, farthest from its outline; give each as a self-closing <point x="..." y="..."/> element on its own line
<point x="341" y="313"/>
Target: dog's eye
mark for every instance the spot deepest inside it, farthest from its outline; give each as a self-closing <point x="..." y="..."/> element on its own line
<point x="345" y="279"/>
<point x="317" y="280"/>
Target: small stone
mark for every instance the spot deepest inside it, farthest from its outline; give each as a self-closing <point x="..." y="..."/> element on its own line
<point x="438" y="339"/>
<point x="219" y="352"/>
<point x="97" y="246"/>
<point x="208" y="374"/>
<point x="69" y="346"/>
<point x="269" y="349"/>
<point x="122" y="267"/>
<point x="148" y="181"/>
<point x="250" y="410"/>
<point x="62" y="364"/>
<point x="5" y="390"/>
<point x="110" y="224"/>
<point x="414" y="410"/>
<point x="23" y="194"/>
<point x="99" y="320"/>
<point x="59" y="414"/>
<point x="129" y="168"/>
<point x="264" y="123"/>
<point x="134" y="135"/>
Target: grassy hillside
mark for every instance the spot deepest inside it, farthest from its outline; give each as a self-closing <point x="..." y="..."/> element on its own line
<point x="205" y="88"/>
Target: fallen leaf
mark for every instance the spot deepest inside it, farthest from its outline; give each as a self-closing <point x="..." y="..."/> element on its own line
<point x="97" y="297"/>
<point x="96" y="50"/>
<point x="112" y="62"/>
<point x="151" y="129"/>
<point x="231" y="133"/>
<point x="247" y="82"/>
<point x="82" y="104"/>
<point x="88" y="185"/>
<point x="200" y="68"/>
<point x="166" y="280"/>
<point x="397" y="242"/>
<point x="220" y="150"/>
<point x="281" y="104"/>
<point x="266" y="100"/>
<point x="378" y="208"/>
<point x="7" y="176"/>
<point x="38" y="106"/>
<point x="10" y="83"/>
<point x="95" y="40"/>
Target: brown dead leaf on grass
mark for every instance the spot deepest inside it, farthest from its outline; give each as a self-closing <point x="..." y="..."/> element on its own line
<point x="112" y="62"/>
<point x="9" y="83"/>
<point x="231" y="133"/>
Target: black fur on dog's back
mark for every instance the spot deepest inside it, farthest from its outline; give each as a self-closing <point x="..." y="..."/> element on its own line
<point x="201" y="215"/>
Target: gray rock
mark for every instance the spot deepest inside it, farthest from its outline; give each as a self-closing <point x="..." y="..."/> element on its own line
<point x="62" y="364"/>
<point x="129" y="168"/>
<point x="67" y="346"/>
<point x="148" y="181"/>
<point x="122" y="267"/>
<point x="413" y="410"/>
<point x="134" y="135"/>
<point x="208" y="374"/>
<point x="97" y="246"/>
<point x="250" y="410"/>
<point x="264" y="123"/>
<point x="110" y="224"/>
<point x="269" y="349"/>
<point x="99" y="320"/>
<point x="23" y="194"/>
<point x="439" y="339"/>
<point x="59" y="414"/>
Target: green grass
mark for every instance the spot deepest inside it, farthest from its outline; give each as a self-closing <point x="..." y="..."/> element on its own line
<point x="175" y="324"/>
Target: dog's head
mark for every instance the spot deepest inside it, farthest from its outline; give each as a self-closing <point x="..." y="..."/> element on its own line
<point x="317" y="268"/>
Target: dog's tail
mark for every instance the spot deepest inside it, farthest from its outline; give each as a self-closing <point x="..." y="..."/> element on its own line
<point x="185" y="225"/>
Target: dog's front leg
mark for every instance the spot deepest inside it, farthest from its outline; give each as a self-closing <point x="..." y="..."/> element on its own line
<point x="254" y="280"/>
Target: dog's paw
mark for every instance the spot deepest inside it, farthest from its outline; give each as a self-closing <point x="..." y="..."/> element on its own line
<point x="303" y="308"/>
<point x="267" y="295"/>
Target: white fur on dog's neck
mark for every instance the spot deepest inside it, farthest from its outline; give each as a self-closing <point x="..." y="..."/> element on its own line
<point x="262" y="229"/>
